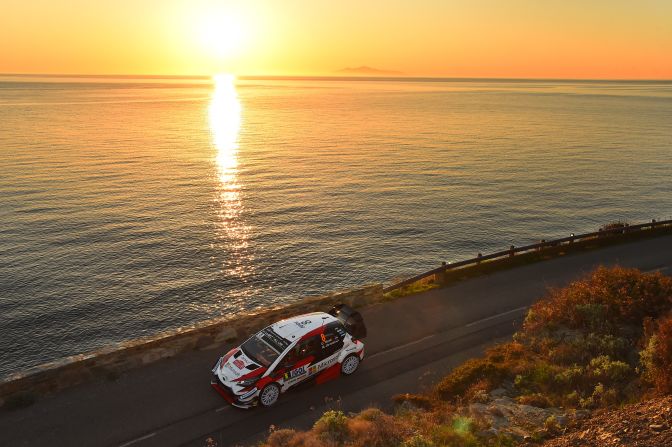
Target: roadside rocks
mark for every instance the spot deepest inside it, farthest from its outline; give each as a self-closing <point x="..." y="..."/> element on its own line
<point x="506" y="416"/>
<point x="646" y="424"/>
<point x="499" y="392"/>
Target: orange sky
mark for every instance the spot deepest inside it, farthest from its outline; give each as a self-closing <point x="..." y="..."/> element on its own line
<point x="457" y="38"/>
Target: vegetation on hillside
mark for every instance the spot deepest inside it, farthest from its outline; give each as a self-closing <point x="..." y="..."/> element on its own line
<point x="602" y="341"/>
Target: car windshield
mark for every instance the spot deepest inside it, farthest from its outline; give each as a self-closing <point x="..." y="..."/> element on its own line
<point x="265" y="347"/>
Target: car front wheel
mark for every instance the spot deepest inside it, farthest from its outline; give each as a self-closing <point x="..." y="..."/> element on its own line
<point x="350" y="364"/>
<point x="269" y="395"/>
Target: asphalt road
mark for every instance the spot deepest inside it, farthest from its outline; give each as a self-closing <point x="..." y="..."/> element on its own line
<point x="412" y="341"/>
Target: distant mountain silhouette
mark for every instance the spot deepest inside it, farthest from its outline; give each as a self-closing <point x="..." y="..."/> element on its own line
<point x="364" y="70"/>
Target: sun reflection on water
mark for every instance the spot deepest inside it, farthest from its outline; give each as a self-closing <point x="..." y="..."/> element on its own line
<point x="225" y="117"/>
<point x="225" y="121"/>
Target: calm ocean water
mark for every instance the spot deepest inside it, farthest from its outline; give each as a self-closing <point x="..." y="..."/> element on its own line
<point x="128" y="207"/>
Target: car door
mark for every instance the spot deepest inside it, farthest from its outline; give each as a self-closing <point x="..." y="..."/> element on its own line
<point x="331" y="343"/>
<point x="297" y="361"/>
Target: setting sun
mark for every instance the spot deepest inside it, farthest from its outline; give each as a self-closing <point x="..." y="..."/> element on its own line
<point x="222" y="34"/>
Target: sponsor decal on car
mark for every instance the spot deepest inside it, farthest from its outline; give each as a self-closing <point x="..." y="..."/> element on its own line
<point x="276" y="342"/>
<point x="249" y="393"/>
<point x="329" y="343"/>
<point x="312" y="369"/>
<point x="239" y="363"/>
<point x="302" y="324"/>
<point x="295" y="373"/>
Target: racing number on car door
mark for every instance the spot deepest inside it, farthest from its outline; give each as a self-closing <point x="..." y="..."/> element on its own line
<point x="330" y="343"/>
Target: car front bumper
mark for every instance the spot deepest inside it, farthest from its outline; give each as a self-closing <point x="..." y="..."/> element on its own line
<point x="247" y="400"/>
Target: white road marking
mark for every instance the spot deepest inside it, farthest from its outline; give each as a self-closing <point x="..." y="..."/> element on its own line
<point x="402" y="346"/>
<point x="396" y="348"/>
<point x="221" y="409"/>
<point x="141" y="438"/>
<point x="474" y="323"/>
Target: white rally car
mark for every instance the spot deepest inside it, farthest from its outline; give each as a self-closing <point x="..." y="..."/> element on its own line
<point x="317" y="346"/>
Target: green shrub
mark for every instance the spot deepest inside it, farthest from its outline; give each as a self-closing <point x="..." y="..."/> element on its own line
<point x="371" y="414"/>
<point x="648" y="360"/>
<point x="656" y="358"/>
<point x="552" y="426"/>
<point x="566" y="353"/>
<point x="471" y="371"/>
<point x="572" y="399"/>
<point x="462" y="425"/>
<point x="538" y="378"/>
<point x="606" y="344"/>
<point x="605" y="369"/>
<point x="416" y="400"/>
<point x="456" y="433"/>
<point x="601" y="397"/>
<point x="502" y="440"/>
<point x="417" y="441"/>
<point x="535" y="400"/>
<point x="332" y="426"/>
<point x="617" y="295"/>
<point x="570" y="377"/>
<point x="592" y="316"/>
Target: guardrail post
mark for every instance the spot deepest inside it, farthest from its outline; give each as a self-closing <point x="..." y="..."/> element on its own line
<point x="479" y="256"/>
<point x="511" y="253"/>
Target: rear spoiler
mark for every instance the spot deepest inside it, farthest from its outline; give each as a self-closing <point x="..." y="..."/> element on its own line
<point x="351" y="319"/>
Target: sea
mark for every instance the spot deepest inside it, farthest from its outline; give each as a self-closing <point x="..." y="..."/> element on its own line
<point x="130" y="206"/>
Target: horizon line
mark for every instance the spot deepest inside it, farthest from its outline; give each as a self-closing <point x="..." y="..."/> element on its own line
<point x="411" y="78"/>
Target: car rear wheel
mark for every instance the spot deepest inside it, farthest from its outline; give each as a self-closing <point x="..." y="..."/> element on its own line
<point x="269" y="395"/>
<point x="350" y="364"/>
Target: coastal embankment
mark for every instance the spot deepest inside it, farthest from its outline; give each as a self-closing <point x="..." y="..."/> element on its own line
<point x="110" y="362"/>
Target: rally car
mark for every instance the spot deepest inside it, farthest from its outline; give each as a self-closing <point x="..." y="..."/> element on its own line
<point x="317" y="346"/>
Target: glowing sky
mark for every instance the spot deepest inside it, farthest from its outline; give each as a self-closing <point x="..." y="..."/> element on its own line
<point x="463" y="38"/>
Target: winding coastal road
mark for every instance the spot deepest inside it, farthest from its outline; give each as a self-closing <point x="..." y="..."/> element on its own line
<point x="412" y="341"/>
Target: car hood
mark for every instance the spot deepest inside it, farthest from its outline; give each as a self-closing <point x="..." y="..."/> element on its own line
<point x="238" y="366"/>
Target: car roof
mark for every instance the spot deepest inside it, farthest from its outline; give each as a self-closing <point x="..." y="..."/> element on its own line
<point x="295" y="327"/>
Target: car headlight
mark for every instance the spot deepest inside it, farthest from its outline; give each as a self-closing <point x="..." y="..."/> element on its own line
<point x="248" y="382"/>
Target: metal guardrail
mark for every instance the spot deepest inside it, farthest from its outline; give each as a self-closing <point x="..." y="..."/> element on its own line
<point x="512" y="251"/>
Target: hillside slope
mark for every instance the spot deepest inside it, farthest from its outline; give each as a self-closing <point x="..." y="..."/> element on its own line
<point x="584" y="352"/>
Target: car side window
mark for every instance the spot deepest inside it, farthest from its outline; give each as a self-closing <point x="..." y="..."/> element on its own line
<point x="303" y="349"/>
<point x="294" y="355"/>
